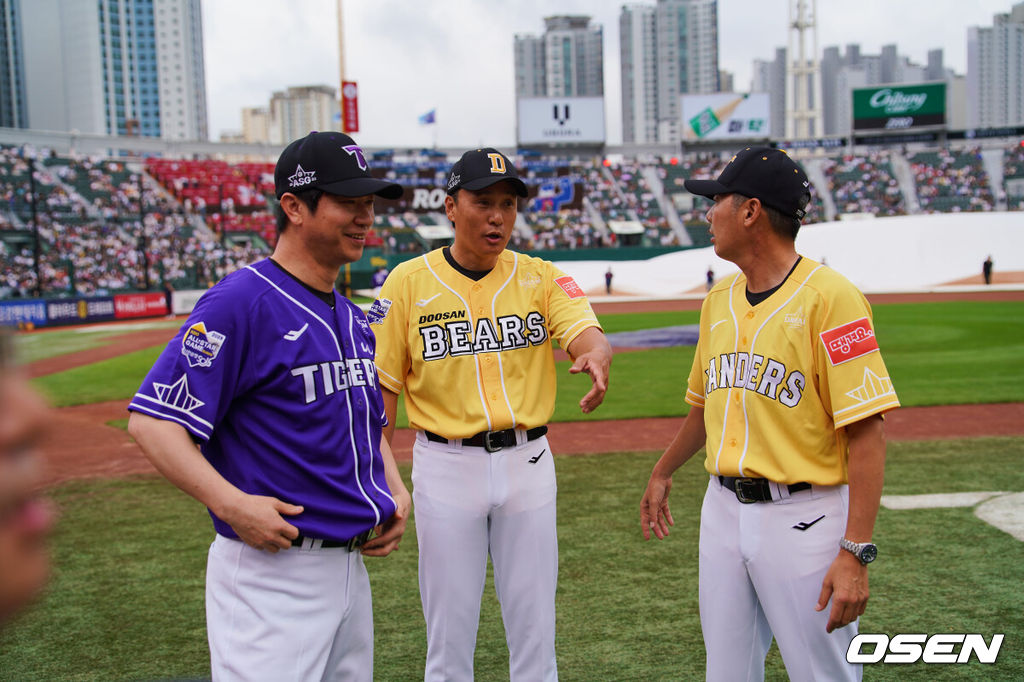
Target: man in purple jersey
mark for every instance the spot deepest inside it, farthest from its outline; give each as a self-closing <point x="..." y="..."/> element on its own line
<point x="273" y="377"/>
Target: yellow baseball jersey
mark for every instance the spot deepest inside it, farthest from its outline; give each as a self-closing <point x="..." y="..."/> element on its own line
<point x="471" y="355"/>
<point x="778" y="380"/>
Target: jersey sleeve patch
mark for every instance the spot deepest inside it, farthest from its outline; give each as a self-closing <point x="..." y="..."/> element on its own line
<point x="849" y="341"/>
<point x="378" y="310"/>
<point x="569" y="286"/>
<point x="200" y="345"/>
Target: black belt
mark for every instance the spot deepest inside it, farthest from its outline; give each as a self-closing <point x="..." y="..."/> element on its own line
<point x="350" y="545"/>
<point x="492" y="441"/>
<point x="750" y="490"/>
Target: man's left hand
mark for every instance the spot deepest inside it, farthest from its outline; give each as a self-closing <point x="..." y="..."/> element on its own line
<point x="389" y="534"/>
<point x="846" y="583"/>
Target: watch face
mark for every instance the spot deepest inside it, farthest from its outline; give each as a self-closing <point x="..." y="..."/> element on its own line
<point x="868" y="554"/>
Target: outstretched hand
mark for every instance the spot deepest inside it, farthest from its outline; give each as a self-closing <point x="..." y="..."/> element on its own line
<point x="597" y="366"/>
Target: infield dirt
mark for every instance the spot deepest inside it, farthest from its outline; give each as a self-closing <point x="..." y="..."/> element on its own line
<point x="81" y="444"/>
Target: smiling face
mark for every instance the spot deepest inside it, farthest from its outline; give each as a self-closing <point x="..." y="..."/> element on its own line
<point x="335" y="233"/>
<point x="484" y="220"/>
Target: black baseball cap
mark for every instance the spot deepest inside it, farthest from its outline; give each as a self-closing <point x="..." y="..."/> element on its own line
<point x="331" y="162"/>
<point x="480" y="168"/>
<point x="762" y="173"/>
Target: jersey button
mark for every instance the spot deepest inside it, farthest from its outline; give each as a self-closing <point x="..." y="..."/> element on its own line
<point x="750" y="315"/>
<point x="743" y="340"/>
<point x="732" y="443"/>
<point x="479" y="311"/>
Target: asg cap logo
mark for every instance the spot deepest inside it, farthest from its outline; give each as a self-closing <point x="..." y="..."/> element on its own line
<point x="453" y="180"/>
<point x="301" y="177"/>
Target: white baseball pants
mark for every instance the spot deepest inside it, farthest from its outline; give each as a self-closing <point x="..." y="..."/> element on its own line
<point x="760" y="575"/>
<point x="295" y="615"/>
<point x="470" y="503"/>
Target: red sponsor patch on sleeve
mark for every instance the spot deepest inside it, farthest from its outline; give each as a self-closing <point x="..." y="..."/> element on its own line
<point x="569" y="286"/>
<point x="849" y="341"/>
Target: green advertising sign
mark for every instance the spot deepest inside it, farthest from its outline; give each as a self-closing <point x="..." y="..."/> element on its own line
<point x="899" y="107"/>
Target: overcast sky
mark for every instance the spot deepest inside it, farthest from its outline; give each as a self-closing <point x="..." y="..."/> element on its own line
<point x="455" y="56"/>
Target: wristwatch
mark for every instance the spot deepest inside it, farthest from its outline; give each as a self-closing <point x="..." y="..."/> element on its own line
<point x="864" y="551"/>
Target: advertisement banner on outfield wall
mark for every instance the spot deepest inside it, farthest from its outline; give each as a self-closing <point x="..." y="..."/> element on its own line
<point x="77" y="310"/>
<point x="139" y="305"/>
<point x="899" y="107"/>
<point x="22" y="313"/>
<point x="726" y="116"/>
<point x="560" y="120"/>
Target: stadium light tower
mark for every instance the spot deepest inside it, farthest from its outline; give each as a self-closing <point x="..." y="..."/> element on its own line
<point x="803" y="73"/>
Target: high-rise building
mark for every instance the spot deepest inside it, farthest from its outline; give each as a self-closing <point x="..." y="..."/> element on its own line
<point x="297" y="111"/>
<point x="12" y="80"/>
<point x="844" y="71"/>
<point x="566" y="61"/>
<point x="256" y="125"/>
<point x="770" y="77"/>
<point x="667" y="50"/>
<point x="995" y="71"/>
<point x="112" y="67"/>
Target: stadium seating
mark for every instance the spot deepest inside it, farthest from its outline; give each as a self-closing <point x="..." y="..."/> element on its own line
<point x="950" y="181"/>
<point x="864" y="184"/>
<point x="199" y="219"/>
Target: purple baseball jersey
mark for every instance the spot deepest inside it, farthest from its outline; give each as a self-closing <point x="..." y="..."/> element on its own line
<point x="281" y="393"/>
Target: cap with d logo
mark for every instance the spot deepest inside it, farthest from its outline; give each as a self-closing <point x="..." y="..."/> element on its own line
<point x="480" y="168"/>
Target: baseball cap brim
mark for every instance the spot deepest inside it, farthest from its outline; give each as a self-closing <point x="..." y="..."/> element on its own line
<point x="482" y="183"/>
<point x="361" y="187"/>
<point x="706" y="188"/>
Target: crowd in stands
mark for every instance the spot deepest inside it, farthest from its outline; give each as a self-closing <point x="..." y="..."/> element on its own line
<point x="1013" y="172"/>
<point x="950" y="181"/>
<point x="106" y="225"/>
<point x="864" y="184"/>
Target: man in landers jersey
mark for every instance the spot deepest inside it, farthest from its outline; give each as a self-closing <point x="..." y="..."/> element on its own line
<point x="273" y="377"/>
<point x="466" y="332"/>
<point x="787" y="392"/>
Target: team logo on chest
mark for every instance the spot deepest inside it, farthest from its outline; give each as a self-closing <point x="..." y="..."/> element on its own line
<point x="200" y="346"/>
<point x="461" y="337"/>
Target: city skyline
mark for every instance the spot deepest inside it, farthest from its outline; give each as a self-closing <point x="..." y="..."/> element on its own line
<point x="457" y="58"/>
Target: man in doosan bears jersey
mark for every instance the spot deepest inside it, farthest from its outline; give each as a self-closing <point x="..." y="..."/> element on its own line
<point x="787" y="392"/>
<point x="466" y="332"/>
<point x="273" y="377"/>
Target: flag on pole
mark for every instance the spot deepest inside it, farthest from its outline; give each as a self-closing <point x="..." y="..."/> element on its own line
<point x="429" y="117"/>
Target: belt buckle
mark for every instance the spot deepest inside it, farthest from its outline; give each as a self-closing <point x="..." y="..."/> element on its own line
<point x="742" y="485"/>
<point x="358" y="541"/>
<point x="493" y="447"/>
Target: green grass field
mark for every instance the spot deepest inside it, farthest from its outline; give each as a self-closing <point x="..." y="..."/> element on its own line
<point x="126" y="601"/>
<point x="126" y="598"/>
<point x="937" y="353"/>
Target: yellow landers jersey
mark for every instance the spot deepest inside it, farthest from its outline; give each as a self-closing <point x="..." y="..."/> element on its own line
<point x="475" y="356"/>
<point x="778" y="380"/>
